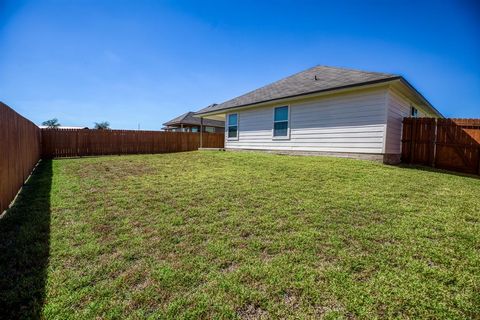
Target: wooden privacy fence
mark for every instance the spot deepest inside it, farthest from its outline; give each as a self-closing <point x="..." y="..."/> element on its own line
<point x="452" y="144"/>
<point x="22" y="144"/>
<point x="84" y="142"/>
<point x="19" y="152"/>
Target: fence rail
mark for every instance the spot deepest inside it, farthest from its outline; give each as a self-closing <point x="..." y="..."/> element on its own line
<point x="83" y="142"/>
<point x="452" y="144"/>
<point x="19" y="152"/>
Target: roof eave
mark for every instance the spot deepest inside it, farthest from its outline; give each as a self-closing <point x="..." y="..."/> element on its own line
<point x="412" y="88"/>
<point x="166" y="124"/>
<point x="180" y="123"/>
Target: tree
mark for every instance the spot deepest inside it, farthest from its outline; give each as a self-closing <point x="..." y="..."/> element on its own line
<point x="102" y="125"/>
<point x="52" y="123"/>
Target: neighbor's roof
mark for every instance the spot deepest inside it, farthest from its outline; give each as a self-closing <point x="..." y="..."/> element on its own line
<point x="316" y="79"/>
<point x="63" y="127"/>
<point x="188" y="118"/>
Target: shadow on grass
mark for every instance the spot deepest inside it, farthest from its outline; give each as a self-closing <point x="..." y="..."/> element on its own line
<point x="24" y="248"/>
<point x="436" y="170"/>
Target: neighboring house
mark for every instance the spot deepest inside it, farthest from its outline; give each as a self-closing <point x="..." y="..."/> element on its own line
<point x="188" y="123"/>
<point x="63" y="127"/>
<point x="324" y="110"/>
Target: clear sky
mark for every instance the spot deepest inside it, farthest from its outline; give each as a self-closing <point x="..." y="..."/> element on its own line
<point x="145" y="62"/>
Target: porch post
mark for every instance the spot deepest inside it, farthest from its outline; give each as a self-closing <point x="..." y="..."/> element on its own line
<point x="201" y="132"/>
<point x="181" y="127"/>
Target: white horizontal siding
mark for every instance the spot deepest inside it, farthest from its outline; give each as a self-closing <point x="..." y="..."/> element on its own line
<point x="353" y="122"/>
<point x="399" y="107"/>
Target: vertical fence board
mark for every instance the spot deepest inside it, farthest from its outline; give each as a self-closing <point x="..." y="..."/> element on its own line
<point x="452" y="144"/>
<point x="19" y="152"/>
<point x="83" y="142"/>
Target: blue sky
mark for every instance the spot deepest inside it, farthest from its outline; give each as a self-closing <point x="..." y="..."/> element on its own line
<point x="145" y="62"/>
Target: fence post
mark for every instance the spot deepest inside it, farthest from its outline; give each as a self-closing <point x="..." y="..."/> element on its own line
<point x="434" y="158"/>
<point x="412" y="131"/>
<point x="136" y="134"/>
<point x="478" y="160"/>
<point x="77" y="149"/>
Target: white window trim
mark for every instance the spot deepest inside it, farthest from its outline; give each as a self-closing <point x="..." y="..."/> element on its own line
<point x="287" y="137"/>
<point x="228" y="125"/>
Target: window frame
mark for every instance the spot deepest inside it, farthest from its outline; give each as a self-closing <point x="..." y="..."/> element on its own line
<point x="413" y="114"/>
<point x="229" y="125"/>
<point x="287" y="136"/>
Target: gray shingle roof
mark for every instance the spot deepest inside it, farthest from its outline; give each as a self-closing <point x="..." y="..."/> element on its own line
<point x="188" y="118"/>
<point x="316" y="79"/>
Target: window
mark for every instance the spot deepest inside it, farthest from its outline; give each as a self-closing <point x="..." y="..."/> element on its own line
<point x="414" y="112"/>
<point x="280" y="122"/>
<point x="210" y="129"/>
<point x="194" y="129"/>
<point x="233" y="125"/>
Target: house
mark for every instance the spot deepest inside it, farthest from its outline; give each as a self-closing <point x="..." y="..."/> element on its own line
<point x="188" y="123"/>
<point x="324" y="110"/>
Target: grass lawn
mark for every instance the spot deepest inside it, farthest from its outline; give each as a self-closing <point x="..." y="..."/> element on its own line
<point x="240" y="235"/>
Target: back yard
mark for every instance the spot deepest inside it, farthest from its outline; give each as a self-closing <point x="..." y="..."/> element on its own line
<point x="240" y="235"/>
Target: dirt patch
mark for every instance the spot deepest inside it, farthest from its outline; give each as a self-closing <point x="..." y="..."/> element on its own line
<point x="102" y="229"/>
<point x="114" y="170"/>
<point x="330" y="307"/>
<point x="252" y="312"/>
<point x="229" y="268"/>
<point x="266" y="257"/>
<point x="290" y="299"/>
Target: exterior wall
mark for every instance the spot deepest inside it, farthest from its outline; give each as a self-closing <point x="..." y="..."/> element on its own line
<point x="343" y="123"/>
<point x="399" y="108"/>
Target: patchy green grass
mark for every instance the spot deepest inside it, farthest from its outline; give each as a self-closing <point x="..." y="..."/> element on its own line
<point x="241" y="235"/>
